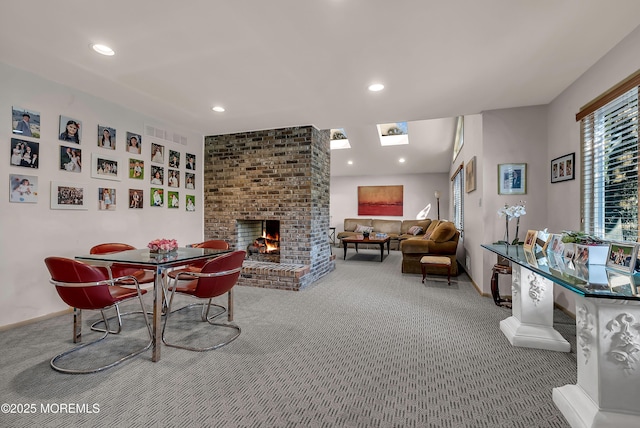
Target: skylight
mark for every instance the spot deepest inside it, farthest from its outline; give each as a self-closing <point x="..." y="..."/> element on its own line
<point x="393" y="134"/>
<point x="339" y="139"/>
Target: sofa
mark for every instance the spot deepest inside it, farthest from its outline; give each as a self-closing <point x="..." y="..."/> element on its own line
<point x="440" y="239"/>
<point x="397" y="230"/>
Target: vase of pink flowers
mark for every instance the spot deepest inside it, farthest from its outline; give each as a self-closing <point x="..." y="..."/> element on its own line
<point x="162" y="246"/>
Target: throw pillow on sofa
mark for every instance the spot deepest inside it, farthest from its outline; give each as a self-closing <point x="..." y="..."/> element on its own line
<point x="443" y="232"/>
<point x="363" y="229"/>
<point x="414" y="230"/>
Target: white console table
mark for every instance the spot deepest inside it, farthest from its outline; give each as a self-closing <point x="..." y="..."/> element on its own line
<point x="607" y="338"/>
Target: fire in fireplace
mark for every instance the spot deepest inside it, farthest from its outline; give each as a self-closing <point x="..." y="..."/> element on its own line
<point x="260" y="238"/>
<point x="269" y="241"/>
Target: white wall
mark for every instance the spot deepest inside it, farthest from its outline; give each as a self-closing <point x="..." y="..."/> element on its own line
<point x="563" y="209"/>
<point x="419" y="190"/>
<point x="31" y="232"/>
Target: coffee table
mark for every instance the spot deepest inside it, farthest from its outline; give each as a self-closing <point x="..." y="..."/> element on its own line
<point x="355" y="241"/>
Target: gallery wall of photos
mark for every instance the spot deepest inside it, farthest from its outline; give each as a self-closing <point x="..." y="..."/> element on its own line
<point x="110" y="154"/>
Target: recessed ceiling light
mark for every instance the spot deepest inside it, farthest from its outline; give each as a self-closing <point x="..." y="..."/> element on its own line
<point x="218" y="109"/>
<point x="401" y="160"/>
<point x="376" y="87"/>
<point x="102" y="49"/>
<point x="350" y="162"/>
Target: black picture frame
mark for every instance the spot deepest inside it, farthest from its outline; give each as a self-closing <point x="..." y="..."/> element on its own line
<point x="563" y="168"/>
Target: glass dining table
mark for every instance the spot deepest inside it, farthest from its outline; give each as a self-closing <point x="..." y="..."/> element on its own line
<point x="159" y="263"/>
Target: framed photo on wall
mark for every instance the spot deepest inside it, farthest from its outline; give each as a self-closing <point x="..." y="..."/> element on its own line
<point x="25" y="153"/>
<point x="68" y="196"/>
<point x="25" y="123"/>
<point x="23" y="188"/>
<point x="512" y="179"/>
<point x="563" y="168"/>
<point x="106" y="167"/>
<point x="136" y="198"/>
<point x="106" y="137"/>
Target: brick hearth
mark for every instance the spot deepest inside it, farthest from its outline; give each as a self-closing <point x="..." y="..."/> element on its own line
<point x="280" y="174"/>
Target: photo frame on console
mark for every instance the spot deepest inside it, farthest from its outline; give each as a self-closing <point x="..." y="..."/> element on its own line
<point x="622" y="256"/>
<point x="530" y="240"/>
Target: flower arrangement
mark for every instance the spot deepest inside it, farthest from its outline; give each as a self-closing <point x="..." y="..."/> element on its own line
<point x="162" y="245"/>
<point x="510" y="212"/>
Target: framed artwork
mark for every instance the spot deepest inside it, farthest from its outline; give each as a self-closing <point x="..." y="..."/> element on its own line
<point x="106" y="199"/>
<point x="157" y="153"/>
<point x="512" y="179"/>
<point x="23" y="188"/>
<point x="25" y="153"/>
<point x="136" y="196"/>
<point x="25" y="123"/>
<point x="136" y="169"/>
<point x="157" y="175"/>
<point x="470" y="176"/>
<point x="189" y="181"/>
<point x="174" y="159"/>
<point x="70" y="159"/>
<point x="459" y="139"/>
<point x="106" y="137"/>
<point x="563" y="168"/>
<point x="190" y="203"/>
<point x="191" y="161"/>
<point x="134" y="143"/>
<point x="174" y="178"/>
<point x="622" y="256"/>
<point x="67" y="196"/>
<point x="380" y="200"/>
<point x="530" y="240"/>
<point x="106" y="167"/>
<point x="70" y="130"/>
<point x="157" y="197"/>
<point x="173" y="199"/>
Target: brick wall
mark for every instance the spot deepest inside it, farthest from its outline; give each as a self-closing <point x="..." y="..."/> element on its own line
<point x="279" y="174"/>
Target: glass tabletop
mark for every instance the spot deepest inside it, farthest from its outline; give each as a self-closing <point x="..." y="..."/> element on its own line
<point x="584" y="279"/>
<point x="143" y="257"/>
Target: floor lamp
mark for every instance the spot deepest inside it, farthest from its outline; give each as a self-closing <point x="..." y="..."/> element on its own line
<point x="438" y="202"/>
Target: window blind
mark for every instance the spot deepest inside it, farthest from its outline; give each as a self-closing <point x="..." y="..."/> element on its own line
<point x="610" y="169"/>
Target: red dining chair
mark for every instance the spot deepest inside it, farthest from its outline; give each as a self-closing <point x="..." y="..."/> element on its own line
<point x="216" y="244"/>
<point x="217" y="277"/>
<point x="121" y="271"/>
<point x="87" y="287"/>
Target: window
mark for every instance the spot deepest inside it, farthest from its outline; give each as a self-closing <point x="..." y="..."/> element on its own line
<point x="458" y="201"/>
<point x="609" y="133"/>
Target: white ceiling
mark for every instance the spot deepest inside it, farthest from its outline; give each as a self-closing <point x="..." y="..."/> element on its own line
<point x="281" y="63"/>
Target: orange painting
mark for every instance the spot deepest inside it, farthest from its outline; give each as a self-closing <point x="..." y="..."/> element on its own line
<point x="380" y="200"/>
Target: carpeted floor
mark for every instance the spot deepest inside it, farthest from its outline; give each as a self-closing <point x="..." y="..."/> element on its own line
<point x="366" y="346"/>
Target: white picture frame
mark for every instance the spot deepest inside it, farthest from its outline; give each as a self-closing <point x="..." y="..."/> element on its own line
<point x="102" y="167"/>
<point x="68" y="196"/>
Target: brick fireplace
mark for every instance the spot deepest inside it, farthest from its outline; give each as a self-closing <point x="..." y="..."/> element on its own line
<point x="280" y="174"/>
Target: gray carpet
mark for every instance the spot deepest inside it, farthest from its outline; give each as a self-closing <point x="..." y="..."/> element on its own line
<point x="366" y="346"/>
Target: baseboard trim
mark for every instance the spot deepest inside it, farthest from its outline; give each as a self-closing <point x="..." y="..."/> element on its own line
<point x="32" y="320"/>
